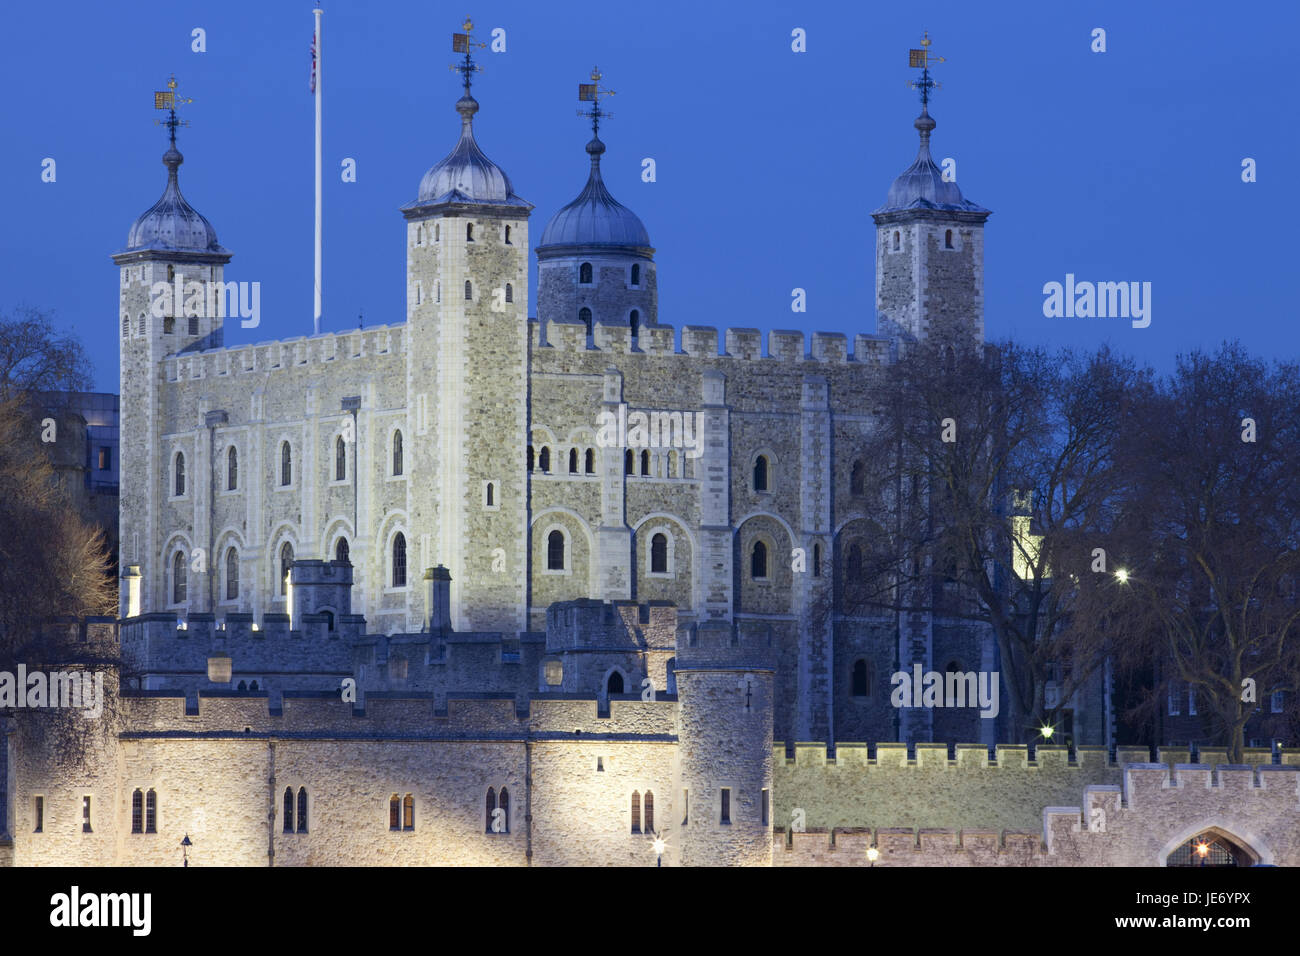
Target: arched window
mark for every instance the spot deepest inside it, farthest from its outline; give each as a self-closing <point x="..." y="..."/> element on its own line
<point x="232" y="574"/>
<point x="555" y="551"/>
<point x="232" y="469"/>
<point x="253" y="686"/>
<point x="397" y="453"/>
<point x="628" y="459"/>
<point x="584" y="273"/>
<point x="947" y="239"/>
<point x="584" y="316"/>
<point x="437" y="290"/>
<point x="544" y="459"/>
<point x="394" y="812"/>
<point x="853" y="566"/>
<point x="591" y="461"/>
<point x="469" y="291"/>
<point x="302" y="809"/>
<point x="491" y="809"/>
<point x="489" y="495"/>
<point x="510" y="290"/>
<point x="342" y="551"/>
<point x="329" y="619"/>
<point x="858" y="479"/>
<point x="649" y="804"/>
<point x="758" y="561"/>
<point x="861" y="684"/>
<point x="645" y="461"/>
<point x="898" y="241"/>
<point x="508" y="242"/>
<point x="151" y="812"/>
<point x="419" y="235"/>
<point x="286" y="464"/>
<point x="137" y="812"/>
<point x="179" y="578"/>
<point x="179" y="472"/>
<point x="286" y="565"/>
<point x="615" y="683"/>
<point x="399" y="560"/>
<point x="531" y="458"/>
<point x="659" y="554"/>
<point x="408" y="812"/>
<point x="573" y="461"/>
<point x="243" y="686"/>
<point x="469" y="232"/>
<point x="760" y="473"/>
<point x="340" y="459"/>
<point x="503" y="804"/>
<point x="817" y="560"/>
<point x="288" y="809"/>
<point x="634" y="320"/>
<point x="636" y="273"/>
<point x="636" y="811"/>
<point x="126" y="326"/>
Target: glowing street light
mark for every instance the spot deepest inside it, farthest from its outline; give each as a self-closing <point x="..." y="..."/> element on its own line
<point x="872" y="855"/>
<point x="659" y="845"/>
<point x="1047" y="730"/>
<point x="1122" y="576"/>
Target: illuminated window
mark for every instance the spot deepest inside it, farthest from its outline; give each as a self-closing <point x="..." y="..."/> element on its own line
<point x="408" y="812"/>
<point x="394" y="812"/>
<point x="636" y="812"/>
<point x="554" y="671"/>
<point x="85" y="815"/>
<point x="648" y="802"/>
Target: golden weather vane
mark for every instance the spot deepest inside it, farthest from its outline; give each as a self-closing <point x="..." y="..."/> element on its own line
<point x="591" y="93"/>
<point x="464" y="43"/>
<point x="169" y="100"/>
<point x="921" y="59"/>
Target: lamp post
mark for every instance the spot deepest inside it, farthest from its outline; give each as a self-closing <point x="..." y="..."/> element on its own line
<point x="185" y="850"/>
<point x="873" y="855"/>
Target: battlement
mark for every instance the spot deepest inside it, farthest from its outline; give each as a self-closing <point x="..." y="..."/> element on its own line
<point x="396" y="715"/>
<point x="275" y="355"/>
<point x="587" y="624"/>
<point x="717" y="644"/>
<point x="936" y="756"/>
<point x="745" y="344"/>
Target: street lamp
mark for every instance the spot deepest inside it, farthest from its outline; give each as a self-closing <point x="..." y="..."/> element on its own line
<point x="1122" y="576"/>
<point x="185" y="850"/>
<point x="872" y="855"/>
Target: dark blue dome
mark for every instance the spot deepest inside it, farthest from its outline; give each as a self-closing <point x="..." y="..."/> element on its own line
<point x="466" y="175"/>
<point x="172" y="224"/>
<point x="922" y="186"/>
<point x="595" y="218"/>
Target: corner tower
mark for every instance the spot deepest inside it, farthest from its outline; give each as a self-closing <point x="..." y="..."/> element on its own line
<point x="169" y="246"/>
<point x="595" y="264"/>
<point x="467" y="380"/>
<point x="929" y="241"/>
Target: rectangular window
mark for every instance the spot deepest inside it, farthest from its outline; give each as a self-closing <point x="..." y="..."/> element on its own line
<point x="1276" y="702"/>
<point x="38" y="811"/>
<point x="726" y="805"/>
<point x="765" y="807"/>
<point x="105" y="459"/>
<point x="1174" y="703"/>
<point x="194" y="325"/>
<point x="685" y="805"/>
<point x="85" y="815"/>
<point x="1191" y="701"/>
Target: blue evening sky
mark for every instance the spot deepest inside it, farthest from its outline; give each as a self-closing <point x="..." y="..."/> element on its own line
<point x="1123" y="165"/>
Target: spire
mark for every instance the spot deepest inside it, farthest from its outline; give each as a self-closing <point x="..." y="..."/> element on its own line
<point x="466" y="106"/>
<point x="591" y="93"/>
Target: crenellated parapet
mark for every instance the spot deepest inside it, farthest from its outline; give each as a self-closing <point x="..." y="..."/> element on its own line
<point x="317" y="351"/>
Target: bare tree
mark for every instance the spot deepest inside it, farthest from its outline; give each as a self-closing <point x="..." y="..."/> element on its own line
<point x="1211" y="534"/>
<point x="994" y="463"/>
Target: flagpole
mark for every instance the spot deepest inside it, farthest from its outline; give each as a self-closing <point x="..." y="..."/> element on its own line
<point x="319" y="77"/>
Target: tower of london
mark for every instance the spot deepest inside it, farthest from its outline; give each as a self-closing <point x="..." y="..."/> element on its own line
<point x="474" y="586"/>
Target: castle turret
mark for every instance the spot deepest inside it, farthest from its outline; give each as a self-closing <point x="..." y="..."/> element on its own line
<point x="595" y="264"/>
<point x="725" y="693"/>
<point x="467" y="366"/>
<point x="929" y="243"/>
<point x="170" y="283"/>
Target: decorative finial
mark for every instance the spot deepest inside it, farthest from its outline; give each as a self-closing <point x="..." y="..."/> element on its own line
<point x="921" y="59"/>
<point x="591" y="93"/>
<point x="464" y="43"/>
<point x="168" y="100"/>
